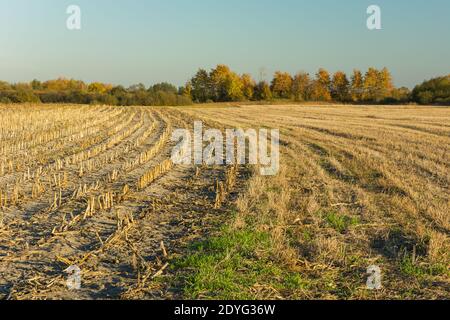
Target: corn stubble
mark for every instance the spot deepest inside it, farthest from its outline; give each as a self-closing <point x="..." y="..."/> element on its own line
<point x="95" y="187"/>
<point x="358" y="186"/>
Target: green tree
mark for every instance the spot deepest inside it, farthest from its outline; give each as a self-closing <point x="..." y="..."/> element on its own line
<point x="201" y="87"/>
<point x="434" y="91"/>
<point x="121" y="95"/>
<point x="36" y="85"/>
<point x="164" y="86"/>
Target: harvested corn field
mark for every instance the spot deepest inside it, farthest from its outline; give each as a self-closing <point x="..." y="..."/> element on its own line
<point x="94" y="187"/>
<point x="358" y="187"/>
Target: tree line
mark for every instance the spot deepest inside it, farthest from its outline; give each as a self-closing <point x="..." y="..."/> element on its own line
<point x="434" y="91"/>
<point x="77" y="92"/>
<point x="221" y="84"/>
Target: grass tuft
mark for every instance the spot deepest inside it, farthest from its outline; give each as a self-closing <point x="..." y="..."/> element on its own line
<point x="340" y="223"/>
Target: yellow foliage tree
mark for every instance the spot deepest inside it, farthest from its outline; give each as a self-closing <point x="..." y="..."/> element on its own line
<point x="321" y="86"/>
<point x="248" y="86"/>
<point x="227" y="85"/>
<point x="97" y="87"/>
<point x="357" y="86"/>
<point x="301" y="86"/>
<point x="282" y="85"/>
<point x="340" y="87"/>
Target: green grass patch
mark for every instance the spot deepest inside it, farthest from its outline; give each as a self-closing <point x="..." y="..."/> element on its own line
<point x="409" y="268"/>
<point x="296" y="282"/>
<point x="340" y="223"/>
<point x="229" y="265"/>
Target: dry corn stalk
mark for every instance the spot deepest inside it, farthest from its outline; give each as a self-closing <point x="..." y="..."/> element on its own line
<point x="57" y="200"/>
<point x="223" y="188"/>
<point x="113" y="175"/>
<point x="154" y="173"/>
<point x="37" y="189"/>
<point x="3" y="199"/>
<point x="220" y="194"/>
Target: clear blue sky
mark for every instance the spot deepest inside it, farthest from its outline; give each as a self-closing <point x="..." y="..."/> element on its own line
<point x="148" y="41"/>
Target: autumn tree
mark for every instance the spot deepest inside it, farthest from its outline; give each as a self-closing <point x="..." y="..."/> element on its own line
<point x="371" y="81"/>
<point x="5" y="85"/>
<point x="63" y="84"/>
<point x="282" y="85"/>
<point x="401" y="95"/>
<point x="357" y="86"/>
<point x="78" y="85"/>
<point x="340" y="87"/>
<point x="226" y="84"/>
<point x="59" y="84"/>
<point x="219" y="79"/>
<point x="301" y="87"/>
<point x="234" y="88"/>
<point x="248" y="86"/>
<point x="378" y="85"/>
<point x="321" y="86"/>
<point x="263" y="92"/>
<point x="385" y="84"/>
<point x="186" y="90"/>
<point x="99" y="88"/>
